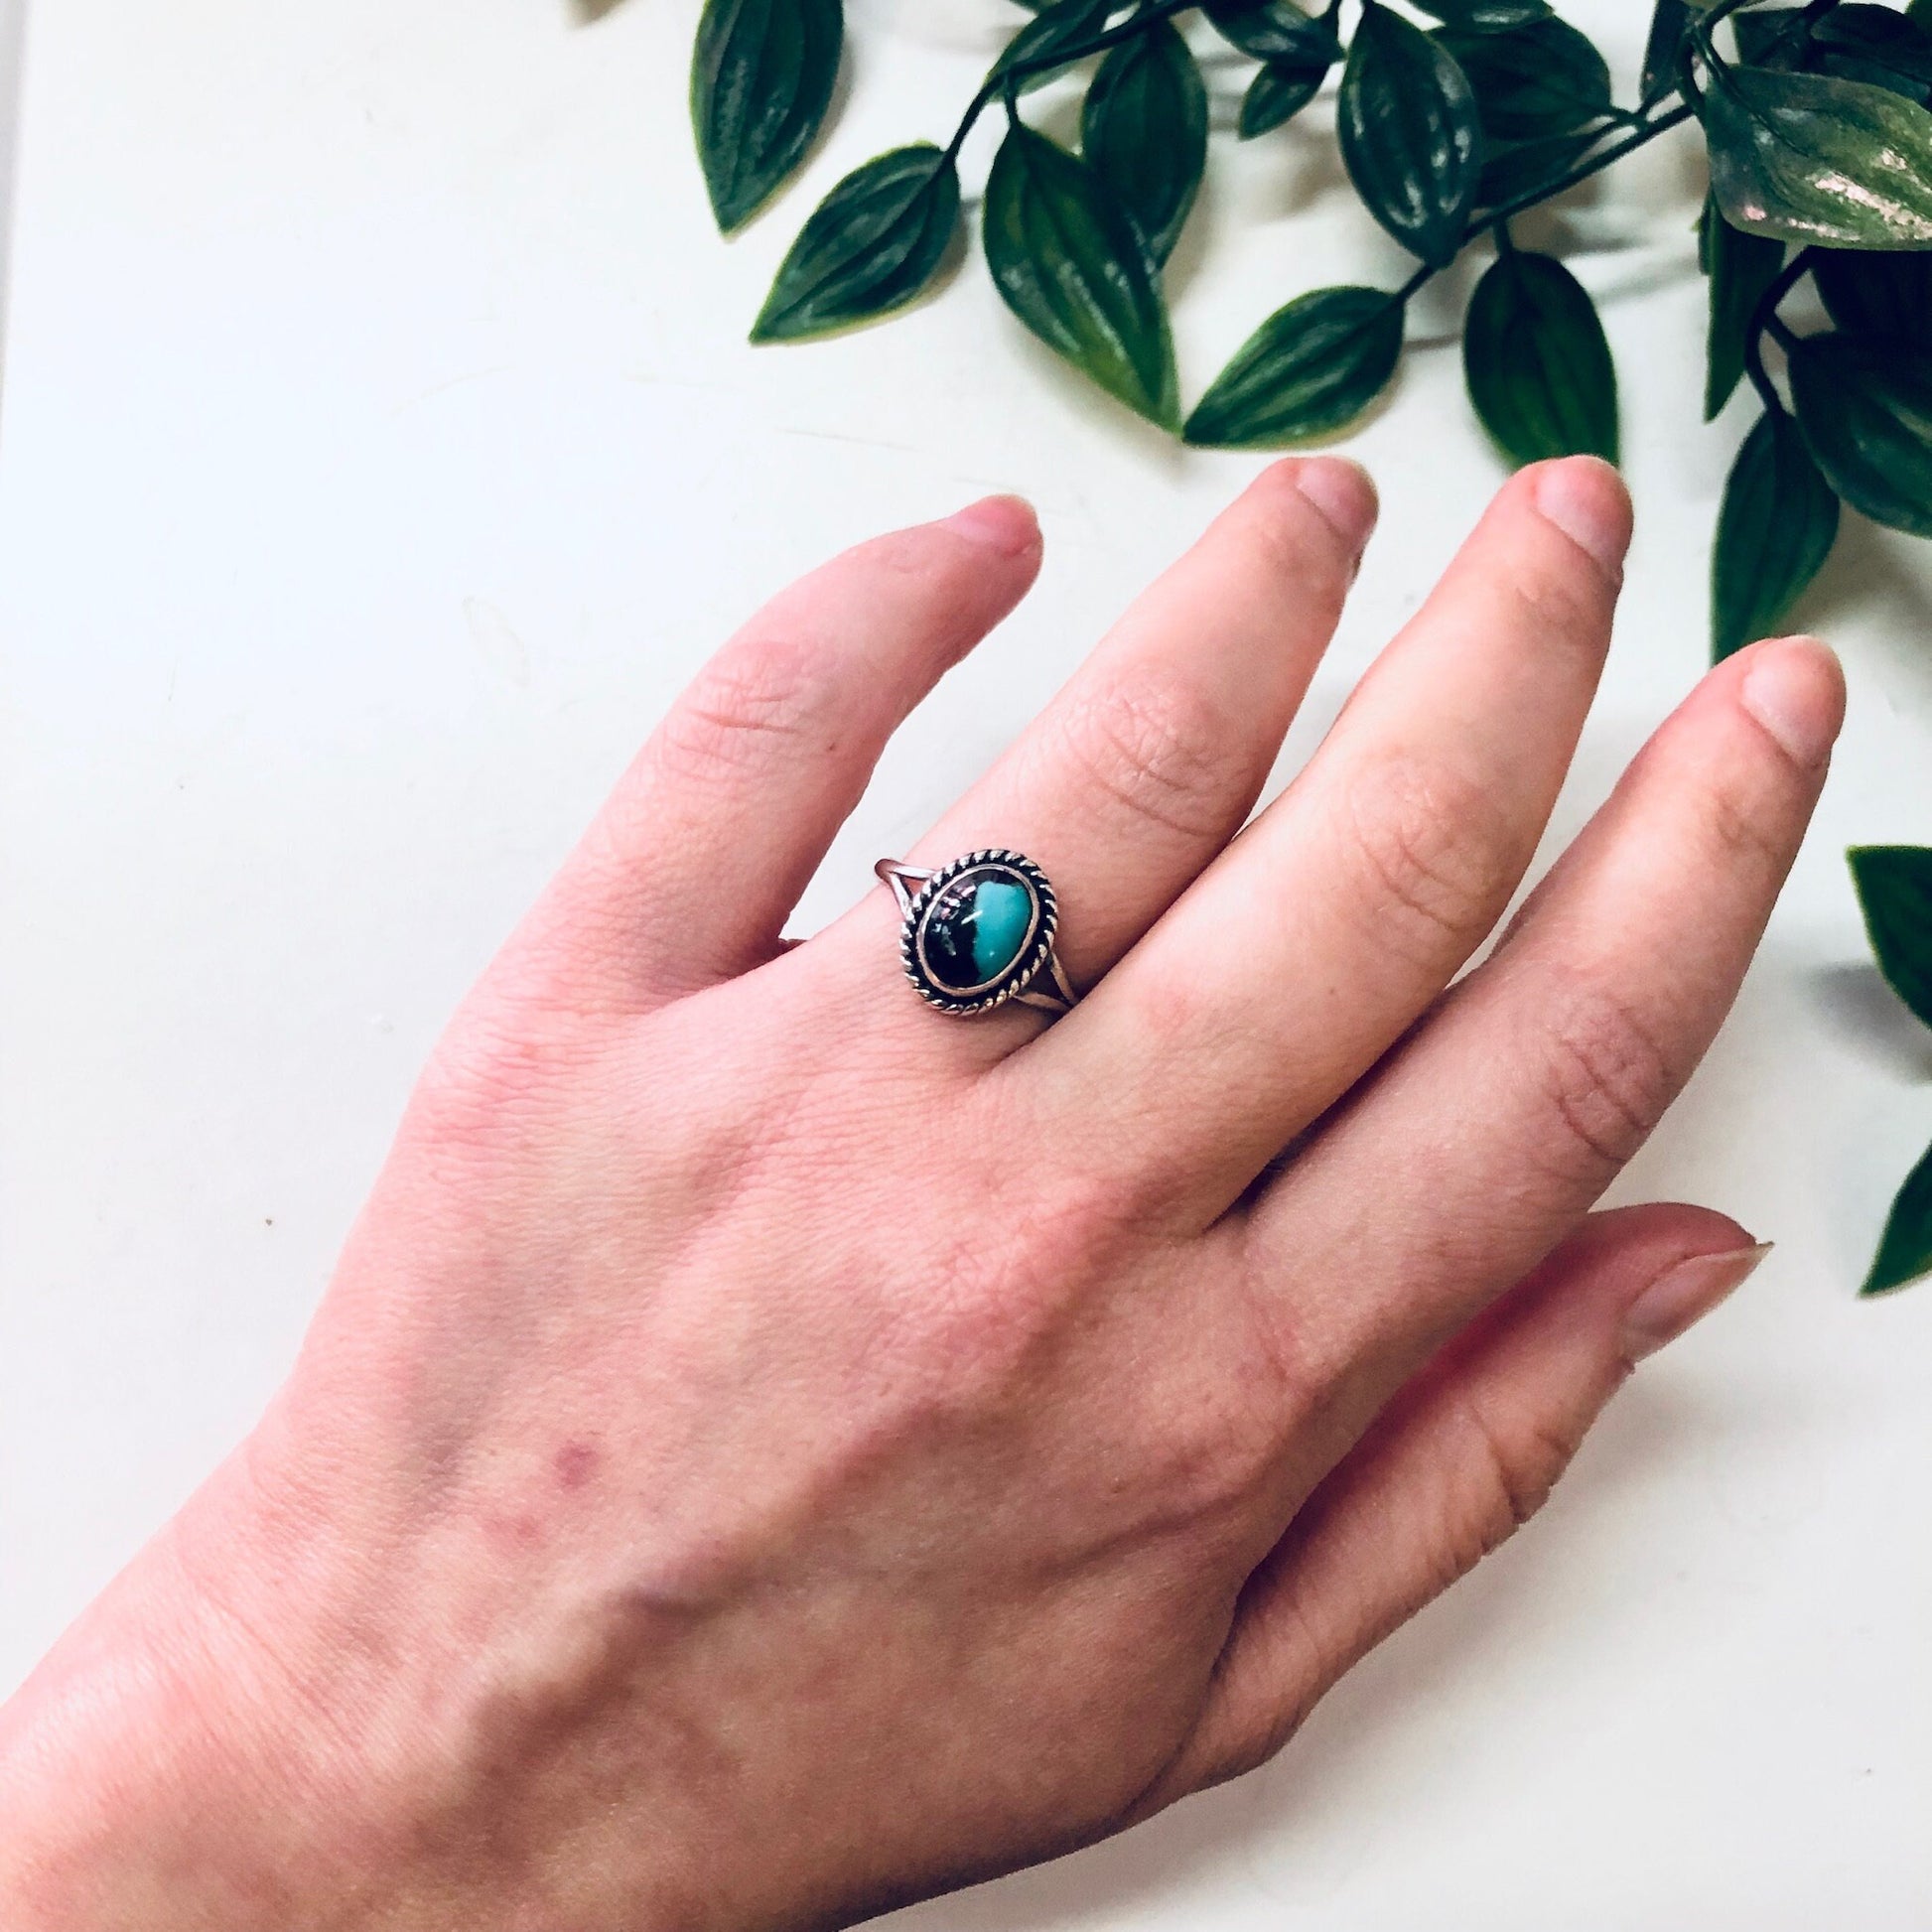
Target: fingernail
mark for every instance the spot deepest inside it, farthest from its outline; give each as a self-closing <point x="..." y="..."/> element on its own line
<point x="1584" y="498"/>
<point x="1003" y="523"/>
<point x="1345" y="493"/>
<point x="1795" y="689"/>
<point x="1674" y="1301"/>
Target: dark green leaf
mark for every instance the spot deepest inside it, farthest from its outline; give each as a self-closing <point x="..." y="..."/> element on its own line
<point x="1276" y="95"/>
<point x="1772" y="39"/>
<point x="1877" y="294"/>
<point x="870" y="246"/>
<point x="1515" y="170"/>
<point x="1740" y="267"/>
<point x="1894" y="884"/>
<point x="1777" y="526"/>
<point x="1069" y="262"/>
<point x="1307" y="371"/>
<point x="1670" y="21"/>
<point x="1486" y="16"/>
<point x="1920" y="12"/>
<point x="1275" y="30"/>
<point x="1809" y="159"/>
<point x="1410" y="135"/>
<point x="1862" y="42"/>
<point x="1543" y="78"/>
<point x="1865" y="408"/>
<point x="1144" y="130"/>
<point x="1539" y="369"/>
<point x="1905" y="1248"/>
<point x="1055" y="30"/>
<point x="762" y="78"/>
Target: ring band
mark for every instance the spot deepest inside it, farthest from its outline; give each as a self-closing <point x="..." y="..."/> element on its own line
<point x="979" y="932"/>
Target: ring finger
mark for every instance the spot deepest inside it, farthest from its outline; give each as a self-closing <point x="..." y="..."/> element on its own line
<point x="1149" y="760"/>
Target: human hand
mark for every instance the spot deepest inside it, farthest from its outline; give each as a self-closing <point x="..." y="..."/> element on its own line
<point x="772" y="1451"/>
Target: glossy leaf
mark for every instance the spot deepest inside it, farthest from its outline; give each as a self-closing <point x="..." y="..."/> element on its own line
<point x="1275" y="31"/>
<point x="1486" y="16"/>
<point x="1277" y="95"/>
<point x="1894" y="884"/>
<point x="1670" y="21"/>
<point x="1410" y="136"/>
<point x="1069" y="262"/>
<point x="1543" y="78"/>
<point x="1307" y="371"/>
<point x="1865" y="408"/>
<point x="762" y="78"/>
<point x="1809" y="159"/>
<point x="1905" y="1248"/>
<point x="1740" y="267"/>
<point x="1877" y="294"/>
<point x="1538" y="365"/>
<point x="1777" y="526"/>
<point x="1054" y="29"/>
<point x="1143" y="129"/>
<point x="1514" y="170"/>
<point x="1859" y="41"/>
<point x="870" y="246"/>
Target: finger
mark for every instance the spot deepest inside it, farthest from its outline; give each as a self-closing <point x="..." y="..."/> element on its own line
<point x="1463" y="1457"/>
<point x="1149" y="760"/>
<point x="1317" y="937"/>
<point x="692" y="867"/>
<point x="1515" y="1105"/>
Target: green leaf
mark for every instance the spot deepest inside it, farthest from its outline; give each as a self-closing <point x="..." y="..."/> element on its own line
<point x="762" y="78"/>
<point x="1069" y="262"/>
<point x="1859" y="41"/>
<point x="1740" y="267"/>
<point x="870" y="246"/>
<point x="1905" y="1248"/>
<point x="1808" y="159"/>
<point x="1865" y="408"/>
<point x="1877" y="294"/>
<point x="1410" y="136"/>
<point x="1543" y="78"/>
<point x="1053" y="30"/>
<point x="1275" y="31"/>
<point x="1894" y="884"/>
<point x="1515" y="170"/>
<point x="1772" y="39"/>
<point x="1777" y="526"/>
<point x="1670" y="21"/>
<point x="1307" y="371"/>
<point x="1538" y="365"/>
<point x="1277" y="95"/>
<point x="1144" y="128"/>
<point x="1486" y="16"/>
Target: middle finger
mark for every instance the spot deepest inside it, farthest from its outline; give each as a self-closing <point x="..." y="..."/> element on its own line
<point x="1321" y="933"/>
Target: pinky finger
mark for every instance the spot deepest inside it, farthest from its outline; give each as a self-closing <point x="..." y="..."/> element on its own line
<point x="1458" y="1462"/>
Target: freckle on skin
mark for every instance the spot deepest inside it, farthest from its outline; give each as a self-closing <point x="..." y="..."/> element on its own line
<point x="575" y="1464"/>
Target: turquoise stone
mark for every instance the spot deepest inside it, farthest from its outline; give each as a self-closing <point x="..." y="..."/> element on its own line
<point x="976" y="928"/>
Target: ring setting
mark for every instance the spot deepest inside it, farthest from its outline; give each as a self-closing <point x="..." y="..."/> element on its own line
<point x="980" y="931"/>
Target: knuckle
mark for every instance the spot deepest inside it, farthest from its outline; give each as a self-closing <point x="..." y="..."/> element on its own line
<point x="1514" y="1464"/>
<point x="1159" y="752"/>
<point x="1748" y="838"/>
<point x="761" y="697"/>
<point x="1609" y="1080"/>
<point x="1433" y="857"/>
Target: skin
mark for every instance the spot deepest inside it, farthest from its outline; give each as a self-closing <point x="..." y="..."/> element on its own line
<point x="772" y="1451"/>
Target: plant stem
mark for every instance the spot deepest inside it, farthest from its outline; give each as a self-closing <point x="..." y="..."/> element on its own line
<point x="1764" y="321"/>
<point x="1007" y="82"/>
<point x="1605" y="158"/>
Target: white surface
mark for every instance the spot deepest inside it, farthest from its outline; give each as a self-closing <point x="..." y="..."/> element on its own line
<point x="380" y="451"/>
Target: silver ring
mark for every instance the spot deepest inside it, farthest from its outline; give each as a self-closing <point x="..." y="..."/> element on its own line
<point x="979" y="932"/>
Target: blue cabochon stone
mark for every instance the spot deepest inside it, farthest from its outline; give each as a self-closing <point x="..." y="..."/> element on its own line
<point x="976" y="929"/>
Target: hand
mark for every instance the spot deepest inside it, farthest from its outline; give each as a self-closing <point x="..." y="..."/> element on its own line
<point x="772" y="1451"/>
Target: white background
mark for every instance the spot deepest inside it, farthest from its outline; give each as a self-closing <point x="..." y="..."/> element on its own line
<point x="382" y="450"/>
